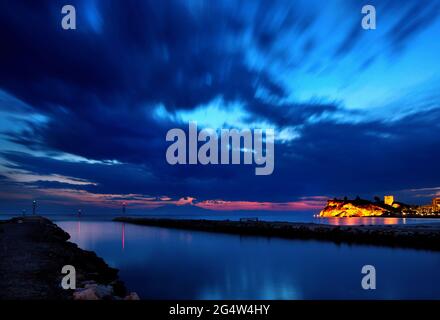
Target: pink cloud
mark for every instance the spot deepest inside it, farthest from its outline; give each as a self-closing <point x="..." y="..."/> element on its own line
<point x="313" y="203"/>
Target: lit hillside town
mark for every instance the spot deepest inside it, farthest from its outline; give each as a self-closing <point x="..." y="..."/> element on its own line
<point x="387" y="207"/>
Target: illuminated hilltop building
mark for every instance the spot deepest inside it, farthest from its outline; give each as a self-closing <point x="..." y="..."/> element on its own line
<point x="388" y="200"/>
<point x="436" y="205"/>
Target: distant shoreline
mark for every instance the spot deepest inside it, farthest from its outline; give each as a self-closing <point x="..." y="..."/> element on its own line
<point x="404" y="236"/>
<point x="408" y="216"/>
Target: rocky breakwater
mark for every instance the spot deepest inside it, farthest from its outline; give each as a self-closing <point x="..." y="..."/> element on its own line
<point x="33" y="251"/>
<point x="408" y="236"/>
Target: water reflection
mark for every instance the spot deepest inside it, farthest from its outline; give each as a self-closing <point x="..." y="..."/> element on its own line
<point x="364" y="221"/>
<point x="161" y="263"/>
<point x="123" y="235"/>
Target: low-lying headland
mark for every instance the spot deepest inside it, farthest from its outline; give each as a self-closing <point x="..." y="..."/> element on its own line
<point x="409" y="236"/>
<point x="33" y="251"/>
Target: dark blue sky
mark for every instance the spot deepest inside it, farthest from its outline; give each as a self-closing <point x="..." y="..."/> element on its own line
<point x="84" y="113"/>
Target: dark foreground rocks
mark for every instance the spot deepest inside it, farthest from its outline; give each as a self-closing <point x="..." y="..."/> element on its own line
<point x="33" y="251"/>
<point x="408" y="236"/>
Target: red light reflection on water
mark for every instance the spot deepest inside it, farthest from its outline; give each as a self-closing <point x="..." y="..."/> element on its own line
<point x="354" y="221"/>
<point x="123" y="236"/>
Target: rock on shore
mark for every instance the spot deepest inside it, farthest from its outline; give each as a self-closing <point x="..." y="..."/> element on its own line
<point x="33" y="251"/>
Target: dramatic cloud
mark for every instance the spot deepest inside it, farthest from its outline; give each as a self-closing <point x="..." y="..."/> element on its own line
<point x="84" y="113"/>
